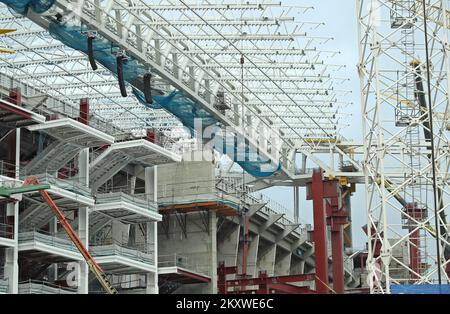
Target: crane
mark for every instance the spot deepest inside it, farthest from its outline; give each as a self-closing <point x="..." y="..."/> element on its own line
<point x="93" y="266"/>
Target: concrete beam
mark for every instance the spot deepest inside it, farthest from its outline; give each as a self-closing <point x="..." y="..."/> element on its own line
<point x="287" y="231"/>
<point x="228" y="247"/>
<point x="253" y="255"/>
<point x="270" y="221"/>
<point x="282" y="263"/>
<point x="298" y="243"/>
<point x="266" y="261"/>
<point x="254" y="208"/>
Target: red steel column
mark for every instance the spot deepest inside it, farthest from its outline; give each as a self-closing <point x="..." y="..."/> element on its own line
<point x="336" y="219"/>
<point x="337" y="248"/>
<point x="414" y="253"/>
<point x="316" y="193"/>
<point x="84" y="111"/>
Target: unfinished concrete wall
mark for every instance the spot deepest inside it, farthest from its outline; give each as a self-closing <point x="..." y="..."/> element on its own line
<point x="191" y="238"/>
<point x="297" y="265"/>
<point x="266" y="258"/>
<point x="282" y="262"/>
<point x="186" y="179"/>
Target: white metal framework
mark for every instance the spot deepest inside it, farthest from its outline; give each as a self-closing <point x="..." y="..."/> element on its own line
<point x="399" y="85"/>
<point x="291" y="84"/>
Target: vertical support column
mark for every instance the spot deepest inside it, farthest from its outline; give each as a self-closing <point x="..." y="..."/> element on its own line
<point x="337" y="248"/>
<point x="53" y="269"/>
<point x="246" y="242"/>
<point x="12" y="213"/>
<point x="12" y="254"/>
<point x="84" y="111"/>
<point x="214" y="265"/>
<point x="152" y="278"/>
<point x="253" y="256"/>
<point x="151" y="190"/>
<point x="316" y="193"/>
<point x="337" y="217"/>
<point x="296" y="204"/>
<point x="83" y="221"/>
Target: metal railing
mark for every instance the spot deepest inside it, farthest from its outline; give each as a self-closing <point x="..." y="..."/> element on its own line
<point x="35" y="235"/>
<point x="7" y="169"/>
<point x="141" y="200"/>
<point x="6" y="231"/>
<point x="185" y="261"/>
<point x="4" y="285"/>
<point x="72" y="184"/>
<point x="144" y="247"/>
<point x="234" y="185"/>
<point x="122" y="250"/>
<point x="222" y="187"/>
<point x="43" y="287"/>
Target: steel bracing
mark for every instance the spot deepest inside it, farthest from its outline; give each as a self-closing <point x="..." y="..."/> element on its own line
<point x="404" y="71"/>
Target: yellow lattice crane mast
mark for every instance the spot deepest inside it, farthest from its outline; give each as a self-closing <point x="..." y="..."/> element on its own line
<point x="4" y="31"/>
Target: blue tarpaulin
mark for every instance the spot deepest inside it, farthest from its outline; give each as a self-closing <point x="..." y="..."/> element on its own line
<point x="420" y="289"/>
<point x="22" y="6"/>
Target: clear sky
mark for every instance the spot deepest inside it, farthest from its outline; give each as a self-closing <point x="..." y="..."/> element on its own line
<point x="340" y="21"/>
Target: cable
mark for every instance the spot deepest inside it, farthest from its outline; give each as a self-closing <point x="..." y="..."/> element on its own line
<point x="433" y="157"/>
<point x="90" y="42"/>
<point x="123" y="90"/>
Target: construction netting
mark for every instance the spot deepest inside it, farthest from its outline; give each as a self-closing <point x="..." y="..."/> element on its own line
<point x="22" y="6"/>
<point x="177" y="103"/>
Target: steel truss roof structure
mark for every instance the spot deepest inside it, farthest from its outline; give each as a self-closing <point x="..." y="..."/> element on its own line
<point x="288" y="82"/>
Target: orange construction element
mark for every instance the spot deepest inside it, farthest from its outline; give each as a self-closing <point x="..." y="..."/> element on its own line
<point x="93" y="266"/>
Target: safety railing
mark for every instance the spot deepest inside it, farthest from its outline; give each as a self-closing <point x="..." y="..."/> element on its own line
<point x="126" y="282"/>
<point x="7" y="169"/>
<point x="43" y="287"/>
<point x="4" y="281"/>
<point x="228" y="190"/>
<point x="6" y="231"/>
<point x="144" y="247"/>
<point x="105" y="248"/>
<point x="53" y="106"/>
<point x="234" y="185"/>
<point x="72" y="184"/>
<point x="35" y="235"/>
<point x="140" y="200"/>
<point x="186" y="261"/>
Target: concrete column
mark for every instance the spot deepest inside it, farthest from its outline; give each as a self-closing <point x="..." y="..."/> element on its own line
<point x="12" y="210"/>
<point x="228" y="248"/>
<point x="213" y="233"/>
<point x="53" y="270"/>
<point x="12" y="254"/>
<point x="253" y="255"/>
<point x="151" y="183"/>
<point x="266" y="261"/>
<point x="151" y="189"/>
<point x="133" y="184"/>
<point x="283" y="263"/>
<point x="296" y="204"/>
<point x="83" y="221"/>
<point x="152" y="278"/>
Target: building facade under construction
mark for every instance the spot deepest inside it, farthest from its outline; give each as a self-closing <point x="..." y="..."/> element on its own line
<point x="140" y="141"/>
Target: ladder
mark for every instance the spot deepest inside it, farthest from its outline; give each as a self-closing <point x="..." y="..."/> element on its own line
<point x="93" y="266"/>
